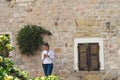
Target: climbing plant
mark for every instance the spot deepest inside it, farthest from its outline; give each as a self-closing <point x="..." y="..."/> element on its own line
<point x="29" y="38"/>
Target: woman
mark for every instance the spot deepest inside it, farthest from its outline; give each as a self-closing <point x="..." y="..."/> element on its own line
<point x="47" y="59"/>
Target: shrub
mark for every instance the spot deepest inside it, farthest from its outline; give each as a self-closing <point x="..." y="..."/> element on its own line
<point x="5" y="46"/>
<point x="29" y="38"/>
<point x="51" y="77"/>
<point x="8" y="72"/>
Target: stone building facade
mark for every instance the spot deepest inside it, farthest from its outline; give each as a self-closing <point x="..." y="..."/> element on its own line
<point x="71" y="22"/>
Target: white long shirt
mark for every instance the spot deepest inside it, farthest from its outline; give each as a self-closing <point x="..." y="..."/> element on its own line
<point x="47" y="60"/>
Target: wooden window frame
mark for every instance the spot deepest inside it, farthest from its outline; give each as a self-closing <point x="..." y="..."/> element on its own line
<point x="89" y="40"/>
<point x="90" y="52"/>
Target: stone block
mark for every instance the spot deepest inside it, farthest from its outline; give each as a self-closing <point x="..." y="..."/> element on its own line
<point x="88" y="23"/>
<point x="58" y="50"/>
<point x="23" y="4"/>
<point x="3" y="20"/>
<point x="59" y="43"/>
<point x="93" y="77"/>
<point x="23" y="0"/>
<point x="19" y="62"/>
<point x="16" y="15"/>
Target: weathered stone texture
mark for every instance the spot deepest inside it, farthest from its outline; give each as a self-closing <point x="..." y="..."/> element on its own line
<point x="66" y="19"/>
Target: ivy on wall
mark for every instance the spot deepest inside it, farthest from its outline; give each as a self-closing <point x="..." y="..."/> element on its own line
<point x="29" y="39"/>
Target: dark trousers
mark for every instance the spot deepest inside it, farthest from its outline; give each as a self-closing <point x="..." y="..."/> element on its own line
<point x="47" y="69"/>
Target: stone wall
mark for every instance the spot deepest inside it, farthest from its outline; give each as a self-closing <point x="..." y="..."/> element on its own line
<point x="66" y="19"/>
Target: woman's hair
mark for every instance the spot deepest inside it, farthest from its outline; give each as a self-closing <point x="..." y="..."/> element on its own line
<point x="46" y="44"/>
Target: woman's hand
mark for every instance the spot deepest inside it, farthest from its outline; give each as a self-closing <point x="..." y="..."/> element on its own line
<point x="46" y="55"/>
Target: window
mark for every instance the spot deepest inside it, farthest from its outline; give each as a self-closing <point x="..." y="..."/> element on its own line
<point x="88" y="56"/>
